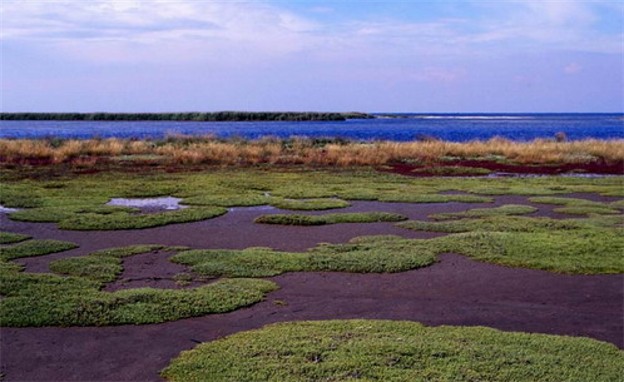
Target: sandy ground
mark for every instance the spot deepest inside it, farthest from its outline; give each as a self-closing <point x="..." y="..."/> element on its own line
<point x="454" y="291"/>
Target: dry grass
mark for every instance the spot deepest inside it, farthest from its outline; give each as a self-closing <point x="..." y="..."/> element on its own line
<point x="209" y="150"/>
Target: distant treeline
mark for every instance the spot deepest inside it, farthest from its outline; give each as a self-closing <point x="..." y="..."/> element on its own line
<point x="209" y="117"/>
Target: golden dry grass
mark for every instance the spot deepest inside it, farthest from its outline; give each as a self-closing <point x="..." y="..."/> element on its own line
<point x="209" y="150"/>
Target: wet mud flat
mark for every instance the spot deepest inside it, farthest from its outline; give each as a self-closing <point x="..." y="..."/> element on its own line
<point x="454" y="291"/>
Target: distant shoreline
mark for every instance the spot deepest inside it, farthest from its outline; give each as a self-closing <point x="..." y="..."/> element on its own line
<point x="221" y="116"/>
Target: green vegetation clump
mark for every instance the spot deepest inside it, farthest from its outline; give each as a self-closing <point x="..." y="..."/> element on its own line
<point x="373" y="350"/>
<point x="495" y="224"/>
<point x="433" y="198"/>
<point x="354" y="217"/>
<point x="309" y="204"/>
<point x="585" y="251"/>
<point x="50" y="300"/>
<point x="507" y="209"/>
<point x="375" y="254"/>
<point x="10" y="238"/>
<point x="34" y="248"/>
<point x="577" y="206"/>
<point x="39" y="299"/>
<point x="102" y="266"/>
<point x="90" y="219"/>
<point x="79" y="202"/>
<point x="586" y="210"/>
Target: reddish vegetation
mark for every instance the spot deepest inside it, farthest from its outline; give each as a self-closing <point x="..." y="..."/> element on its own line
<point x="597" y="167"/>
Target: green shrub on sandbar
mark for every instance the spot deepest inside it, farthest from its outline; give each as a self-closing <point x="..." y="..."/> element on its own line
<point x="371" y="254"/>
<point x="115" y="221"/>
<point x="103" y="266"/>
<point x="34" y="248"/>
<point x="49" y="300"/>
<point x="375" y="350"/>
<point x="306" y="220"/>
<point x="10" y="237"/>
<point x="309" y="204"/>
<point x="507" y="209"/>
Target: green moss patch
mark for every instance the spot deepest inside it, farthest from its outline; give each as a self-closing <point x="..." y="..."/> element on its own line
<point x="374" y="254"/>
<point x="433" y="198"/>
<point x="578" y="206"/>
<point x="10" y="238"/>
<point x="507" y="209"/>
<point x="309" y="204"/>
<point x="34" y="248"/>
<point x="371" y="350"/>
<point x="89" y="221"/>
<point x="49" y="300"/>
<point x="102" y="266"/>
<point x="355" y="217"/>
<point x="576" y="246"/>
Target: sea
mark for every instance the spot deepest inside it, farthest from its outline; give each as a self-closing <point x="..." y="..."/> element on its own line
<point x="396" y="127"/>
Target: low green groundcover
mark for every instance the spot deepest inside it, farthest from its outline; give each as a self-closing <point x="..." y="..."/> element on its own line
<point x="369" y="350"/>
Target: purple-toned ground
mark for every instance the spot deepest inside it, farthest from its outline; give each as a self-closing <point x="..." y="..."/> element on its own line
<point x="454" y="291"/>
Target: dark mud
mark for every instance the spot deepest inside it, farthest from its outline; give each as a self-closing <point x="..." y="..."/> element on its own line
<point x="455" y="291"/>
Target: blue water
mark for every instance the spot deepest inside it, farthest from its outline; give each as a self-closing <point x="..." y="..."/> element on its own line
<point x="450" y="127"/>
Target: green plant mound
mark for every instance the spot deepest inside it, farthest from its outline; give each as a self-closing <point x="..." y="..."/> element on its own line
<point x="507" y="209"/>
<point x="373" y="254"/>
<point x="34" y="248"/>
<point x="315" y="204"/>
<point x="50" y="300"/>
<point x="354" y="217"/>
<point x="10" y="238"/>
<point x="72" y="219"/>
<point x="103" y="266"/>
<point x="371" y="350"/>
<point x="39" y="299"/>
<point x="576" y="206"/>
<point x="587" y="210"/>
<point x="496" y="224"/>
<point x="575" y="246"/>
<point x="432" y="198"/>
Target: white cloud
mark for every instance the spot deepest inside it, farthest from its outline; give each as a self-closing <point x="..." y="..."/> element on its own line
<point x="239" y="33"/>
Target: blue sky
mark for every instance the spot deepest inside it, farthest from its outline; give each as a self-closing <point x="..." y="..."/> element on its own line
<point x="394" y="56"/>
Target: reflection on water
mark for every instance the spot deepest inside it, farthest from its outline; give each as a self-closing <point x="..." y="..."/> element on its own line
<point x="165" y="203"/>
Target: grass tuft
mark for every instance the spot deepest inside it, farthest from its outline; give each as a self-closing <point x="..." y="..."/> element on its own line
<point x="507" y="209"/>
<point x="10" y="238"/>
<point x="307" y="220"/>
<point x="373" y="350"/>
<point x="34" y="248"/>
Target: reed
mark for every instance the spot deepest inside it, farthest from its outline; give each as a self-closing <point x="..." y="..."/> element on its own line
<point x="315" y="152"/>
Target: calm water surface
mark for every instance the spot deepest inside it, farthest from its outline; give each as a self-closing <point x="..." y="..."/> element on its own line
<point x="450" y="127"/>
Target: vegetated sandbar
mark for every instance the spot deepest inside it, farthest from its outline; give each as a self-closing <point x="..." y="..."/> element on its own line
<point x="187" y="116"/>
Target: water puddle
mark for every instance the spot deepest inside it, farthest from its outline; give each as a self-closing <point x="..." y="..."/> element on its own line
<point x="168" y="203"/>
<point x="6" y="210"/>
<point x="252" y="208"/>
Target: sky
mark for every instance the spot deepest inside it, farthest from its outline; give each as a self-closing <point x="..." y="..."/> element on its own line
<point x="371" y="56"/>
